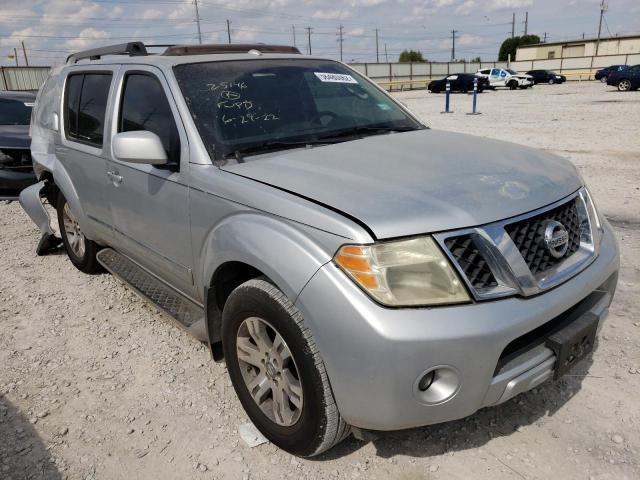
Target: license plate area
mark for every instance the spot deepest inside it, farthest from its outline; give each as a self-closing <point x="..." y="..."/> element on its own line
<point x="573" y="342"/>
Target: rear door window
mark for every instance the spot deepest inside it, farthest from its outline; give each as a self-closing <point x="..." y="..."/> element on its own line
<point x="86" y="105"/>
<point x="145" y="107"/>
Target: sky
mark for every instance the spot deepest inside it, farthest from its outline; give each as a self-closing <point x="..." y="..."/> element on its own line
<point x="51" y="29"/>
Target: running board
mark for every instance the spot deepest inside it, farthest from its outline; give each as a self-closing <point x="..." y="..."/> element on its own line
<point x="187" y="313"/>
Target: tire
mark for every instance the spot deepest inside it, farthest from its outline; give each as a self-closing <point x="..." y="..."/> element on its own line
<point x="624" y="85"/>
<point x="258" y="310"/>
<point x="551" y="81"/>
<point x="603" y="79"/>
<point x="512" y="85"/>
<point x="81" y="251"/>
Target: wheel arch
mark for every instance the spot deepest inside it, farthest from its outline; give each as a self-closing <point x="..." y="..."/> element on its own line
<point x="250" y="245"/>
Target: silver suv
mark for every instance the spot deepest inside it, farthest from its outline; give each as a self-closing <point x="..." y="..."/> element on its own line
<point x="356" y="270"/>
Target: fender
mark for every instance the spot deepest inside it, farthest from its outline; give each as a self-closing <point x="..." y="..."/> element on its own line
<point x="276" y="247"/>
<point x="31" y="203"/>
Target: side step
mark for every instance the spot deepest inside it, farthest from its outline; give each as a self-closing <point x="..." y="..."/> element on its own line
<point x="186" y="312"/>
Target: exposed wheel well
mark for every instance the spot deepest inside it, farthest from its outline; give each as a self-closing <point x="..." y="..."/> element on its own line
<point x="225" y="279"/>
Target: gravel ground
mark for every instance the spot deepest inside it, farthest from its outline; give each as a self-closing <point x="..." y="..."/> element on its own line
<point x="94" y="383"/>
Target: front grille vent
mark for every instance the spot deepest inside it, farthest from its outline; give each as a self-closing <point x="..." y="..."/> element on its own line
<point x="471" y="261"/>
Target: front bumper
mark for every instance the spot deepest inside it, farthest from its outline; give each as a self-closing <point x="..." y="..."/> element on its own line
<point x="374" y="355"/>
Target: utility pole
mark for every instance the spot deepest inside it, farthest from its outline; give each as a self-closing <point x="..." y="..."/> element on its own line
<point x="293" y="29"/>
<point x="526" y="22"/>
<point x="453" y="44"/>
<point x="24" y="51"/>
<point x="603" y="8"/>
<point x="386" y="57"/>
<point x="15" y="55"/>
<point x="545" y="38"/>
<point x="308" y="29"/>
<point x="340" y="39"/>
<point x="229" y="30"/>
<point x="377" y="49"/>
<point x="195" y="2"/>
<point x="513" y="25"/>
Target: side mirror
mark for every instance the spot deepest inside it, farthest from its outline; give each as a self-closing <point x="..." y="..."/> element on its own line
<point x="139" y="146"/>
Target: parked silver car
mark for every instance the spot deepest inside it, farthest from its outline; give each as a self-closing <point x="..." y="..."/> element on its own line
<point x="356" y="269"/>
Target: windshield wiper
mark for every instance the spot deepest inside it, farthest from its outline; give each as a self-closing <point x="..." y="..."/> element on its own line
<point x="275" y="145"/>
<point x="361" y="132"/>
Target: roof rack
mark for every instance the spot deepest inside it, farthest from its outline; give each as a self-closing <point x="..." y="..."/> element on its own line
<point x="132" y="49"/>
<point x="228" y="48"/>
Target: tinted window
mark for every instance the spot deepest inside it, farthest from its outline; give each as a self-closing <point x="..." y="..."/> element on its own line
<point x="14" y="112"/>
<point x="87" y="96"/>
<point x="145" y="107"/>
<point x="74" y="85"/>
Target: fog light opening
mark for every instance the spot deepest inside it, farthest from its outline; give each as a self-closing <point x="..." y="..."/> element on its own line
<point x="436" y="385"/>
<point x="426" y="381"/>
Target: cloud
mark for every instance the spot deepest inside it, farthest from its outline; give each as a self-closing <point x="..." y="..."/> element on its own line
<point x="493" y="5"/>
<point x="86" y="38"/>
<point x="153" y="14"/>
<point x="247" y="34"/>
<point x="331" y="14"/>
<point x="466" y="7"/>
<point x="466" y="39"/>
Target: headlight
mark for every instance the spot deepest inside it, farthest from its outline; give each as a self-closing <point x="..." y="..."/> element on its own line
<point x="403" y="273"/>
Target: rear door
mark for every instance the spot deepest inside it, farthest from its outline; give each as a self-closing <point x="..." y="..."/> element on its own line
<point x="149" y="204"/>
<point x="82" y="149"/>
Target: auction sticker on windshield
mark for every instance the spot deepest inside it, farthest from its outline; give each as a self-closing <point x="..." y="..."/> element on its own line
<point x="335" y="77"/>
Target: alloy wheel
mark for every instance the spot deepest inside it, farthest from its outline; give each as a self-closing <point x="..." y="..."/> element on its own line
<point x="75" y="238"/>
<point x="624" y="85"/>
<point x="269" y="371"/>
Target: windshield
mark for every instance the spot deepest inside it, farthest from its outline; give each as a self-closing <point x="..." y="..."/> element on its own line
<point x="14" y="112"/>
<point x="258" y="105"/>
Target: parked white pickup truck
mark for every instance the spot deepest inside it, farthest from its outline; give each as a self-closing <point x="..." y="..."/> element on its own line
<point x="505" y="77"/>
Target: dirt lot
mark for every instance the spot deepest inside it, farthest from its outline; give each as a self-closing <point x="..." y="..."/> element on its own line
<point x="95" y="384"/>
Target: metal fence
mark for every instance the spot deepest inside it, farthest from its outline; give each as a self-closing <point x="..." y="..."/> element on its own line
<point x="409" y="75"/>
<point x="394" y="76"/>
<point x="22" y="78"/>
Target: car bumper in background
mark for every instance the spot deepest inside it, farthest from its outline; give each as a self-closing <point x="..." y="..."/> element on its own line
<point x="375" y="356"/>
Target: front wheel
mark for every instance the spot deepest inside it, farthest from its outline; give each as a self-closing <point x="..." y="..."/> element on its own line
<point x="603" y="79"/>
<point x="277" y="371"/>
<point x="81" y="251"/>
<point x="624" y="85"/>
<point x="551" y="81"/>
<point x="512" y="85"/>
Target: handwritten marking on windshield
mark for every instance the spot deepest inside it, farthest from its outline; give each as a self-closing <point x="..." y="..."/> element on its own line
<point x="250" y="118"/>
<point x="226" y="85"/>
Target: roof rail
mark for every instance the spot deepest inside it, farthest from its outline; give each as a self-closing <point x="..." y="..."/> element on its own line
<point x="228" y="48"/>
<point x="131" y="49"/>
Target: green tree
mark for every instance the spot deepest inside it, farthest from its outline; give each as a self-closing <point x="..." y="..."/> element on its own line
<point x="510" y="45"/>
<point x="408" y="56"/>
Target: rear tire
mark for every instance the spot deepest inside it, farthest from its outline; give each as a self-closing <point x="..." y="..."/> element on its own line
<point x="624" y="85"/>
<point x="81" y="251"/>
<point x="285" y="390"/>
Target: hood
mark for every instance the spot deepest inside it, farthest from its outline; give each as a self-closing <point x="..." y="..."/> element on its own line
<point x="14" y="136"/>
<point x="419" y="182"/>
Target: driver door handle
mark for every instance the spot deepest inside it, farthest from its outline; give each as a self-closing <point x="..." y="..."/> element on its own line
<point x="114" y="177"/>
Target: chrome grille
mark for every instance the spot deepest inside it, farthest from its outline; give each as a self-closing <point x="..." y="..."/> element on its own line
<point x="471" y="261"/>
<point x="528" y="236"/>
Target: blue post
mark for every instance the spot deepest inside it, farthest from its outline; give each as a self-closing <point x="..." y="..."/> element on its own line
<point x="475" y="97"/>
<point x="446" y="99"/>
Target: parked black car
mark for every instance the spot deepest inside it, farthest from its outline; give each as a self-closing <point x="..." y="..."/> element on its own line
<point x="16" y="170"/>
<point x="546" y="76"/>
<point x="460" y="82"/>
<point x="625" y="79"/>
<point x="603" y="73"/>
